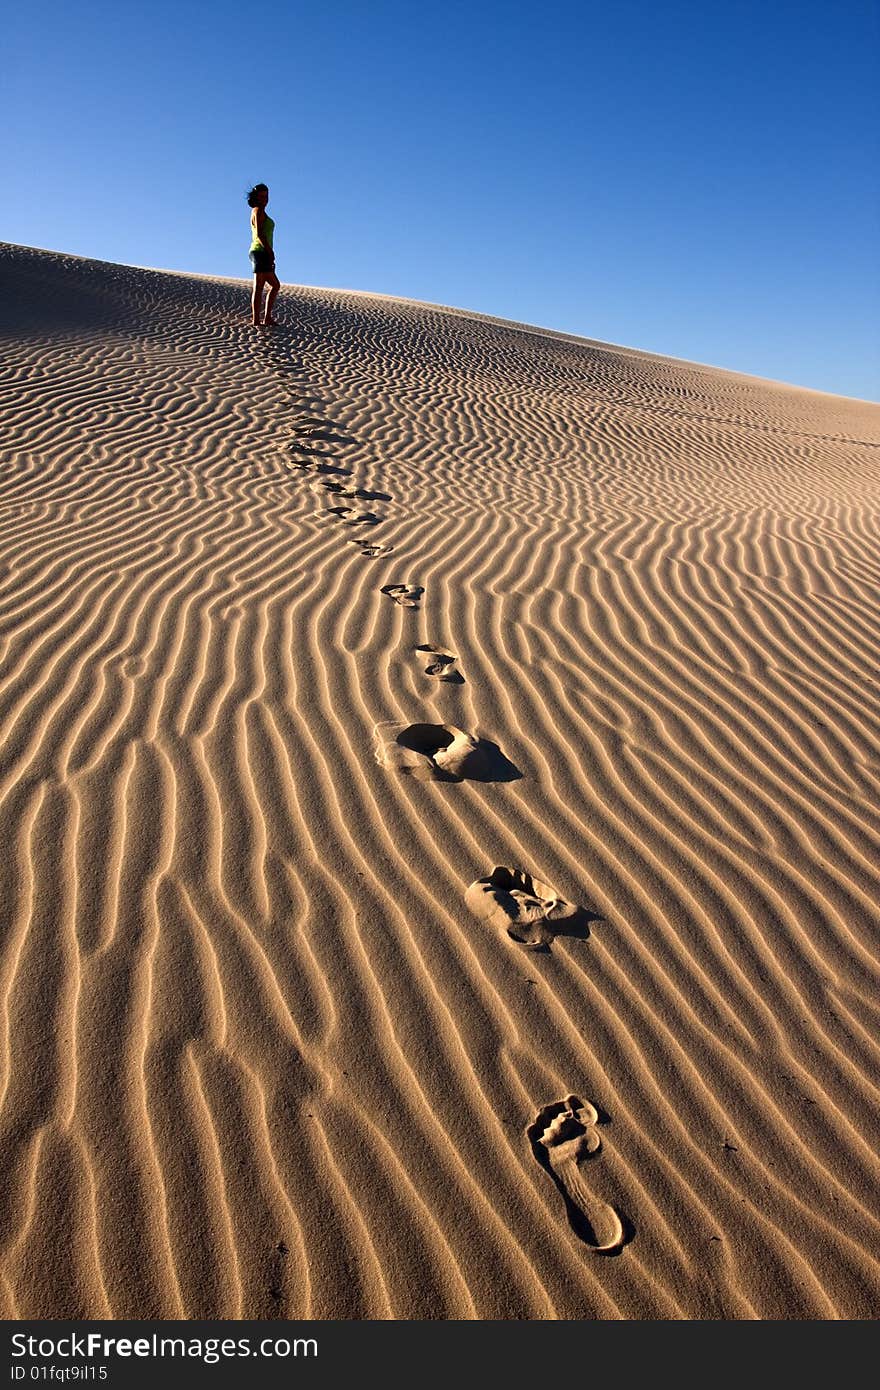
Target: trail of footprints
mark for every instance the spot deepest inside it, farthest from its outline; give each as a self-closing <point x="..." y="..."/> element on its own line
<point x="564" y="1135"/>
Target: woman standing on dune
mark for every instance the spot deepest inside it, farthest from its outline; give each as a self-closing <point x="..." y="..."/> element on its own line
<point x="262" y="255"/>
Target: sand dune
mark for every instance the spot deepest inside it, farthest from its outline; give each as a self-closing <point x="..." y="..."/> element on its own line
<point x="258" y="1056"/>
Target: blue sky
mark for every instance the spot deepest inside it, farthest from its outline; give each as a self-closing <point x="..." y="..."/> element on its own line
<point x="696" y="179"/>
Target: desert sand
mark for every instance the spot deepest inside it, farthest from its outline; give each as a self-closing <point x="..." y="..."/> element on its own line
<point x="440" y="799"/>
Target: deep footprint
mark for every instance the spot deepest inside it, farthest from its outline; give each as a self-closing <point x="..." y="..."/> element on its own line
<point x="562" y="1136"/>
<point x="431" y="752"/>
<point x="350" y="517"/>
<point x="529" y="911"/>
<point x="358" y="494"/>
<point x="442" y="665"/>
<point x="327" y="485"/>
<point x="365" y="494"/>
<point x="407" y="595"/>
<point x="368" y="549"/>
<point x="441" y="753"/>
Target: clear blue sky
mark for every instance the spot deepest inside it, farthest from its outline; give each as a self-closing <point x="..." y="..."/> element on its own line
<point x="697" y="178"/>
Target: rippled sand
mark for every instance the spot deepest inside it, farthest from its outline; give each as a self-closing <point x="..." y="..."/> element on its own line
<point x="605" y="622"/>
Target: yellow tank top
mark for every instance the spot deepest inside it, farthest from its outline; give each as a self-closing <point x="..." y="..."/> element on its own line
<point x="268" y="233"/>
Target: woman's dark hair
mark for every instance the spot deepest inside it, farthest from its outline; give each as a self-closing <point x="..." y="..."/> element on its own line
<point x="252" y="196"/>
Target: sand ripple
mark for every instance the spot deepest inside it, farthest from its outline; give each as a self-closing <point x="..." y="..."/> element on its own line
<point x="257" y="1057"/>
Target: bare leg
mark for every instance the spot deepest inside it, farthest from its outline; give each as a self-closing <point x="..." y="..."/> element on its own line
<point x="274" y="287"/>
<point x="257" y="297"/>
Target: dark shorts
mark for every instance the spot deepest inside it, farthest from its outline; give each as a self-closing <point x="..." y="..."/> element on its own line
<point x="263" y="262"/>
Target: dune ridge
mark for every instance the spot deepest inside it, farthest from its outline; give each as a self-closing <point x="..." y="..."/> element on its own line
<point x="257" y="1056"/>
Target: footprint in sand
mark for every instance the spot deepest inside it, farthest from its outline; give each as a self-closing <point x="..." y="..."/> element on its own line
<point x="441" y="753"/>
<point x="327" y="435"/>
<point x="442" y="665"/>
<point x="358" y="494"/>
<point x="368" y="549"/>
<point x="321" y="485"/>
<point x="563" y="1134"/>
<point x="529" y="911"/>
<point x="407" y="595"/>
<point x="431" y="752"/>
<point x="365" y="494"/>
<point x="349" y="517"/>
<point x="308" y="422"/>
